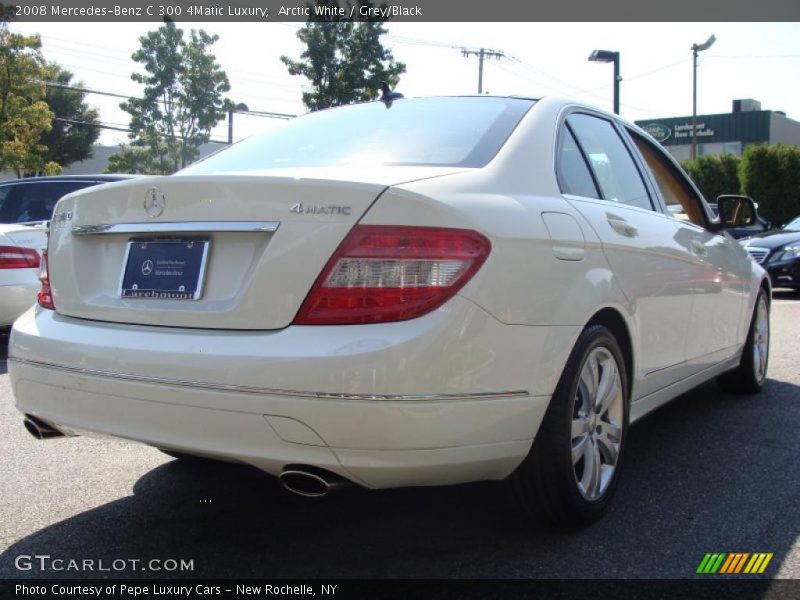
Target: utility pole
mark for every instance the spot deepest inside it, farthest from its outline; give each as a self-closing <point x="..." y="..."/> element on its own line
<point x="695" y="49"/>
<point x="481" y="54"/>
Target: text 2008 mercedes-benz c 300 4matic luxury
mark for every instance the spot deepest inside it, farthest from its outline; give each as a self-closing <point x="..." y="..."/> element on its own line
<point x="420" y="292"/>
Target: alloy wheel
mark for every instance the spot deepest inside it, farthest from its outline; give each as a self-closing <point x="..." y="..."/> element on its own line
<point x="761" y="339"/>
<point x="598" y="415"/>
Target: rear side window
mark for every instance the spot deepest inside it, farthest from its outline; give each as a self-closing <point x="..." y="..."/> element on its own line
<point x="682" y="203"/>
<point x="612" y="164"/>
<point x="23" y="202"/>
<point x="459" y="132"/>
<point x="574" y="175"/>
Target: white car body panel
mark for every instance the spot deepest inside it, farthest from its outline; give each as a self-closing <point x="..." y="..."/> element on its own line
<point x="466" y="392"/>
<point x="18" y="287"/>
<point x="453" y="396"/>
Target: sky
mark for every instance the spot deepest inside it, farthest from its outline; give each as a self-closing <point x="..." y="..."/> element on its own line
<point x="748" y="60"/>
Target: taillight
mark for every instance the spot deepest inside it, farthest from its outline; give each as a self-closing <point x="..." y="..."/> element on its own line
<point x="15" y="257"/>
<point x="392" y="273"/>
<point x="45" y="297"/>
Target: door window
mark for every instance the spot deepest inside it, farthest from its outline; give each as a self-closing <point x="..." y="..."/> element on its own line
<point x="574" y="175"/>
<point x="612" y="164"/>
<point x="682" y="202"/>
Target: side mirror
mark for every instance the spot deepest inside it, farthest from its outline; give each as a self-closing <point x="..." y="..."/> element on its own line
<point x="736" y="211"/>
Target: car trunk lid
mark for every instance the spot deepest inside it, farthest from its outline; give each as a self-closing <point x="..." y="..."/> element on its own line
<point x="266" y="238"/>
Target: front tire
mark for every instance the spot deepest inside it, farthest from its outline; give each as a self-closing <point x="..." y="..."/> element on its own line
<point x="571" y="473"/>
<point x="750" y="375"/>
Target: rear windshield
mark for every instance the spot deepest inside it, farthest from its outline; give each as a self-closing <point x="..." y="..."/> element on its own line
<point x="458" y="132"/>
<point x="25" y="202"/>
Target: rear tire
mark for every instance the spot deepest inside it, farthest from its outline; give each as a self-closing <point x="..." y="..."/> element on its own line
<point x="571" y="473"/>
<point x="750" y="375"/>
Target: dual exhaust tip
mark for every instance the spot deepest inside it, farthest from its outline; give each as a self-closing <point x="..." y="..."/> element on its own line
<point x="40" y="429"/>
<point x="303" y="480"/>
<point x="311" y="482"/>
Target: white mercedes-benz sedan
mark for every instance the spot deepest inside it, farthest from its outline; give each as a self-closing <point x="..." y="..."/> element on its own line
<point x="425" y="292"/>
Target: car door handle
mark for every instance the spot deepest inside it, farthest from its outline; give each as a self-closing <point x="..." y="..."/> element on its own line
<point x="621" y="226"/>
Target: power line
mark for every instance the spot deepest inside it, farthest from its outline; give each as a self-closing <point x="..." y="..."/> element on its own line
<point x="753" y="56"/>
<point x="100" y="125"/>
<point x="85" y="90"/>
<point x="65" y="86"/>
<point x="641" y="75"/>
<point x="91" y="124"/>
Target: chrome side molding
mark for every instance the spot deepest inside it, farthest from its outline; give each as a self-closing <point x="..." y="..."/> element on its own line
<point x="179" y="227"/>
<point x="204" y="385"/>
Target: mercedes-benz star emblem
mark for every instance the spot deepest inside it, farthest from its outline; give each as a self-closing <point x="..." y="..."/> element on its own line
<point x="147" y="267"/>
<point x="154" y="202"/>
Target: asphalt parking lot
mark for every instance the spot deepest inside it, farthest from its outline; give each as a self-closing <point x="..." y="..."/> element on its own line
<point x="710" y="472"/>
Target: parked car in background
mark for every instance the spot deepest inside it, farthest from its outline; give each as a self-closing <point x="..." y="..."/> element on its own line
<point x="778" y="251"/>
<point x="425" y="292"/>
<point x="25" y="209"/>
<point x="31" y="200"/>
<point x="20" y="260"/>
<point x="760" y="224"/>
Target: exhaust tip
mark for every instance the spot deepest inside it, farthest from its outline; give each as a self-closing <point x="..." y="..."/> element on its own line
<point x="310" y="482"/>
<point x="39" y="429"/>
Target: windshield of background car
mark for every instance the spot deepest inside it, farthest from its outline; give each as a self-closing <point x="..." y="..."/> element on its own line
<point x="30" y="201"/>
<point x="457" y="132"/>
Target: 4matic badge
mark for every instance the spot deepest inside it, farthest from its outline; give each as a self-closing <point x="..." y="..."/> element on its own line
<point x="320" y="210"/>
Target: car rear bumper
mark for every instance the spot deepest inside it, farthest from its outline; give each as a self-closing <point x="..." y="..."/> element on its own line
<point x="402" y="414"/>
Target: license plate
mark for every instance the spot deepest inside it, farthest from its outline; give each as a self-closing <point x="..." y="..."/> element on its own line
<point x="171" y="269"/>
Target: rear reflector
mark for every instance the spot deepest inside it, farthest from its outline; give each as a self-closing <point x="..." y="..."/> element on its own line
<point x="15" y="257"/>
<point x="392" y="273"/>
<point x="45" y="296"/>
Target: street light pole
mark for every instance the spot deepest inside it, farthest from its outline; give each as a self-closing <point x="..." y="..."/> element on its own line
<point x="695" y="49"/>
<point x="609" y="56"/>
<point x="232" y="109"/>
<point x="617" y="79"/>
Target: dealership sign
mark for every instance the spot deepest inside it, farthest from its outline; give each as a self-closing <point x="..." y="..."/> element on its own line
<point x="659" y="132"/>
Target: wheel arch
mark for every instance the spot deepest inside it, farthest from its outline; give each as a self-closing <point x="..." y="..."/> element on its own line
<point x="766" y="285"/>
<point x="613" y="320"/>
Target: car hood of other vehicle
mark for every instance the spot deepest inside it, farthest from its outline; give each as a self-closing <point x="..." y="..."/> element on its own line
<point x="771" y="239"/>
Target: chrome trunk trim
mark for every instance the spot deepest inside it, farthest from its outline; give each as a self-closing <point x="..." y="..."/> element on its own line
<point x="180" y="227"/>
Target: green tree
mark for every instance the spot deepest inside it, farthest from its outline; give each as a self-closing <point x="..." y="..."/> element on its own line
<point x="343" y="60"/>
<point x="6" y="13"/>
<point x="24" y="115"/>
<point x="182" y="101"/>
<point x="75" y="126"/>
<point x="771" y="176"/>
<point x="715" y="175"/>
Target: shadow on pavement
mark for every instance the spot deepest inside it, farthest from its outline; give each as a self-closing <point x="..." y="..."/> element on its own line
<point x="709" y="472"/>
<point x="785" y="294"/>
